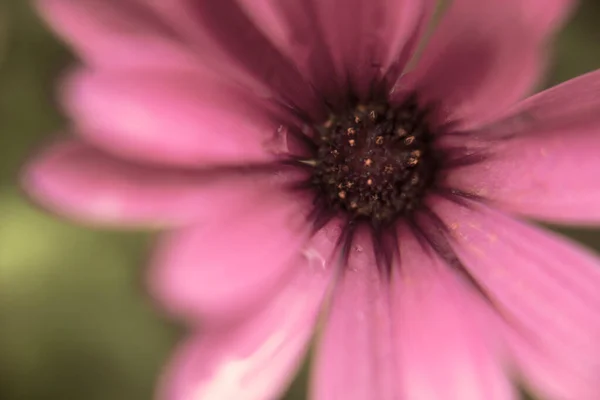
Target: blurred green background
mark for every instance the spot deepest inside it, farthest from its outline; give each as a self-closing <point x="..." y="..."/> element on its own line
<point x="75" y="322"/>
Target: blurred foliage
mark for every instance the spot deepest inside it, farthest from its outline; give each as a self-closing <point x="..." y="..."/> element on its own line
<point x="75" y="322"/>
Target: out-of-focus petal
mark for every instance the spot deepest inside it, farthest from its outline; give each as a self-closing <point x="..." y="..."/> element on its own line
<point x="246" y="47"/>
<point x="256" y="360"/>
<point x="117" y="34"/>
<point x="83" y="183"/>
<point x="402" y="19"/>
<point x="143" y="34"/>
<point x="552" y="177"/>
<point x="544" y="375"/>
<point x="545" y="288"/>
<point x="570" y="106"/>
<point x="547" y="165"/>
<point x="221" y="270"/>
<point x="546" y="16"/>
<point x="184" y="119"/>
<point x="292" y="27"/>
<point x="449" y="343"/>
<point x="482" y="58"/>
<point x="389" y="339"/>
<point x="366" y="38"/>
<point x="355" y="355"/>
<point x="330" y="39"/>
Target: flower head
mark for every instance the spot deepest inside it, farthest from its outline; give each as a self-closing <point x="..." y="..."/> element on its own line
<point x="322" y="174"/>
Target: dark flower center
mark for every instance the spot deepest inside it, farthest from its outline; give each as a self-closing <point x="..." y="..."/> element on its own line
<point x="374" y="162"/>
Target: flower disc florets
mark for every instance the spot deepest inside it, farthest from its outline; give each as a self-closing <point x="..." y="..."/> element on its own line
<point x="374" y="162"/>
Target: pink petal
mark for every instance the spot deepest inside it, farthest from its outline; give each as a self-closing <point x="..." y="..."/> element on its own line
<point x="569" y="106"/>
<point x="366" y="38"/>
<point x="548" y="168"/>
<point x="141" y="34"/>
<point x="223" y="269"/>
<point x="482" y="58"/>
<point x="257" y="360"/>
<point x="83" y="183"/>
<point x="117" y="34"/>
<point x="176" y="118"/>
<point x="551" y="177"/>
<point x="292" y="28"/>
<point x="545" y="288"/>
<point x="401" y="20"/>
<point x="245" y="46"/>
<point x="547" y="378"/>
<point x="449" y="347"/>
<point x="546" y="15"/>
<point x="354" y="359"/>
<point x="328" y="38"/>
<point x="418" y="336"/>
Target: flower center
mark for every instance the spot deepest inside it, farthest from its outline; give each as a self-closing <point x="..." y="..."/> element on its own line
<point x="374" y="162"/>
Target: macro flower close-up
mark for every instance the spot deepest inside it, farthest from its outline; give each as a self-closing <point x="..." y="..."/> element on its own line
<point x="358" y="181"/>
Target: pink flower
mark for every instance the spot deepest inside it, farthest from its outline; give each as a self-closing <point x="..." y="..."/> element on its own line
<point x="311" y="188"/>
